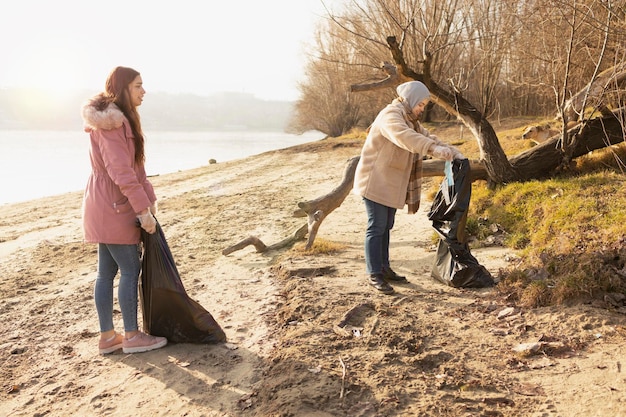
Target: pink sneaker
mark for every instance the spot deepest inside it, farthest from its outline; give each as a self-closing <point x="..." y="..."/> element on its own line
<point x="142" y="342"/>
<point x="110" y="345"/>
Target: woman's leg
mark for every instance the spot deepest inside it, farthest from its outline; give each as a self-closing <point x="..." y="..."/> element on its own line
<point x="391" y="216"/>
<point x="380" y="220"/>
<point x="103" y="290"/>
<point x="388" y="273"/>
<point x="127" y="257"/>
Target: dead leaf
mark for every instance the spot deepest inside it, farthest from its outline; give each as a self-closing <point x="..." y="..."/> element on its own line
<point x="528" y="348"/>
<point x="530" y="390"/>
<point x="509" y="311"/>
<point x="13" y="389"/>
<point x="316" y="370"/>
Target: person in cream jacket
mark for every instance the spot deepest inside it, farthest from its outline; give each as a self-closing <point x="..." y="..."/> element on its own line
<point x="388" y="174"/>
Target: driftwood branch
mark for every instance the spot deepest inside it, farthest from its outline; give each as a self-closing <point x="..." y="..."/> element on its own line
<point x="316" y="210"/>
<point x="252" y="240"/>
<point x="297" y="236"/>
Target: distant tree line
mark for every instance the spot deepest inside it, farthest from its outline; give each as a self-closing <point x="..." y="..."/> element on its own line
<point x="39" y="110"/>
<point x="505" y="57"/>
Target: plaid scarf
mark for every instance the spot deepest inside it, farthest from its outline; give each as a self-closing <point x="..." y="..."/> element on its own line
<point x="414" y="190"/>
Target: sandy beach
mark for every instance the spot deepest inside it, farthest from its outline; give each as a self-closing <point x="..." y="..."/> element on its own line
<point x="428" y="350"/>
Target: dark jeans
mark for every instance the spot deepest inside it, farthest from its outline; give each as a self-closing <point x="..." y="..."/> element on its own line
<point x="112" y="258"/>
<point x="380" y="221"/>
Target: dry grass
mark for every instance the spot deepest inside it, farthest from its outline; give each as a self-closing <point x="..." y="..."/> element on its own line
<point x="320" y="246"/>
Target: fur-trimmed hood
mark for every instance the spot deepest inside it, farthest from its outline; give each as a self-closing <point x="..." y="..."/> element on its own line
<point x="109" y="118"/>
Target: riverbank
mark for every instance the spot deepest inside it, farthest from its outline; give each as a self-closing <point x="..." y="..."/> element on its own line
<point x="428" y="350"/>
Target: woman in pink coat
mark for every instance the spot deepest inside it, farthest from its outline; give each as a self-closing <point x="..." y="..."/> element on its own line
<point x="118" y="194"/>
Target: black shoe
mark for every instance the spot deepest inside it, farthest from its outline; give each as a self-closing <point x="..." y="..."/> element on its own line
<point x="377" y="281"/>
<point x="390" y="275"/>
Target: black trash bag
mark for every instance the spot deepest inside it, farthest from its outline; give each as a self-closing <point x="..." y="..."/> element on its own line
<point x="457" y="267"/>
<point x="454" y="264"/>
<point x="455" y="211"/>
<point x="167" y="309"/>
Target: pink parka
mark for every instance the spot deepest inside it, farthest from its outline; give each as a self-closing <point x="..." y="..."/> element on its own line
<point x="382" y="174"/>
<point x="117" y="189"/>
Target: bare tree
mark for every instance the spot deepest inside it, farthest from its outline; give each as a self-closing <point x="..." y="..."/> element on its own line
<point x="454" y="100"/>
<point x="326" y="103"/>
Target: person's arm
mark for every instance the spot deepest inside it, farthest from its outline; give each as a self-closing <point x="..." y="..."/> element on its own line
<point x="119" y="163"/>
<point x="456" y="154"/>
<point x="395" y="128"/>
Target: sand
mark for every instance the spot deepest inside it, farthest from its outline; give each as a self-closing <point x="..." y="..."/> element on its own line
<point x="428" y="350"/>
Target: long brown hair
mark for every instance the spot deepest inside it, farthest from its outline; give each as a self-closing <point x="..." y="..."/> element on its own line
<point x="116" y="91"/>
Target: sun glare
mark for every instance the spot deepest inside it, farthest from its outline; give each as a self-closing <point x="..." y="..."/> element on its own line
<point x="51" y="65"/>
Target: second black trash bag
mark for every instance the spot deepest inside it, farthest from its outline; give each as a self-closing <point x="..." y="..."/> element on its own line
<point x="454" y="264"/>
<point x="167" y="309"/>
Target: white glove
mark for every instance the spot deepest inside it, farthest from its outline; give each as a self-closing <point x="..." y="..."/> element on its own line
<point x="442" y="152"/>
<point x="148" y="222"/>
<point x="153" y="208"/>
<point x="458" y="154"/>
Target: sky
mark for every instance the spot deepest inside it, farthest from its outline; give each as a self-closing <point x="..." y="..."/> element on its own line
<point x="183" y="46"/>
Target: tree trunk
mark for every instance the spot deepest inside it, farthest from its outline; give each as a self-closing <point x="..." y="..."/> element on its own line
<point x="542" y="160"/>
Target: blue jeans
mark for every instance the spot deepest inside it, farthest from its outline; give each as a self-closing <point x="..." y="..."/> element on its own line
<point x="112" y="258"/>
<point x="380" y="221"/>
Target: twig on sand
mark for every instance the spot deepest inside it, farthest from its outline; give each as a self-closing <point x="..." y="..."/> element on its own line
<point x="343" y="377"/>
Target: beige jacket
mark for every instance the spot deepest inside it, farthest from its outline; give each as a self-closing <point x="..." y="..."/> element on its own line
<point x="382" y="174"/>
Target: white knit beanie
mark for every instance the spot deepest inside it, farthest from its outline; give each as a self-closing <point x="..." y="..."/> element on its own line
<point x="414" y="92"/>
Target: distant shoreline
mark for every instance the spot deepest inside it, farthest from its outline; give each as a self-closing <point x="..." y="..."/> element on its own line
<point x="167" y="152"/>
